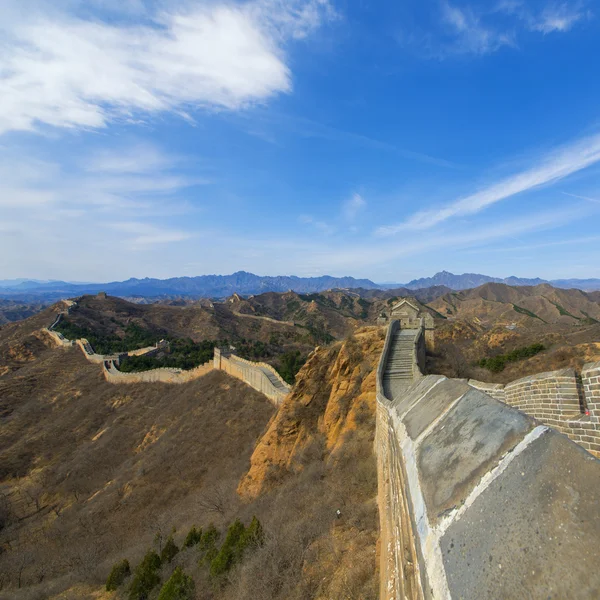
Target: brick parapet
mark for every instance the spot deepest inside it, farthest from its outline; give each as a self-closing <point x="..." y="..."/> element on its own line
<point x="254" y="375"/>
<point x="559" y="399"/>
<point x="162" y="375"/>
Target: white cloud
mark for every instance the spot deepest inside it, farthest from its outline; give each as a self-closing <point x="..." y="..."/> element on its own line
<point x="62" y="70"/>
<point x="353" y="206"/>
<point x="469" y="28"/>
<point x="472" y="37"/>
<point x="557" y="17"/>
<point x="320" y="226"/>
<point x="552" y="168"/>
<point x="137" y="158"/>
<point x="554" y="17"/>
<point x="142" y="235"/>
<point x="49" y="205"/>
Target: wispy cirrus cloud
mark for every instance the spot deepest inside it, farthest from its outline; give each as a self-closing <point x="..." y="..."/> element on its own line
<point x="466" y="28"/>
<point x="551" y="18"/>
<point x="555" y="166"/>
<point x="353" y="206"/>
<point x="141" y="235"/>
<point x="471" y="35"/>
<point x="558" y="17"/>
<point x="64" y="70"/>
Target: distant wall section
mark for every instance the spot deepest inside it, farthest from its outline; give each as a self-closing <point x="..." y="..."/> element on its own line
<point x="163" y="375"/>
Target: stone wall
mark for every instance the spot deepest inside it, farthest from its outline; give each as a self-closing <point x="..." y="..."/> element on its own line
<point x="261" y="376"/>
<point x="163" y="375"/>
<point x="561" y="399"/>
<point x="58" y="338"/>
<point x="478" y="500"/>
<point x="399" y="564"/>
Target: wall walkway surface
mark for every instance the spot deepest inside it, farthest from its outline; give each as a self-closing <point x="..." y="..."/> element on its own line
<point x="478" y="500"/>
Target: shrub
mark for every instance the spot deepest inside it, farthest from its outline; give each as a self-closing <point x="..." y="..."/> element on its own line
<point x="178" y="587"/>
<point x="193" y="537"/>
<point x="230" y="551"/>
<point x="146" y="577"/>
<point x="169" y="551"/>
<point x="118" y="574"/>
<point x="207" y="544"/>
<point x="496" y="364"/>
<point x="238" y="540"/>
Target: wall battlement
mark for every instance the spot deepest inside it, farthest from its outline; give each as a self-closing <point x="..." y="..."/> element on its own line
<point x="564" y="400"/>
<point x="478" y="500"/>
<point x="261" y="376"/>
<point x="162" y="375"/>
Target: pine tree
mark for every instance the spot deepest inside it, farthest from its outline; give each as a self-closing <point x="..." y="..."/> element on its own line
<point x="118" y="574"/>
<point x="178" y="587"/>
<point x="193" y="537"/>
<point x="146" y="577"/>
<point x="169" y="551"/>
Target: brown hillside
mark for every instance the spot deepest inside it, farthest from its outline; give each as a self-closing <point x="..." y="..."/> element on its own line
<point x="89" y="468"/>
<point x="496" y="318"/>
<point x="91" y="473"/>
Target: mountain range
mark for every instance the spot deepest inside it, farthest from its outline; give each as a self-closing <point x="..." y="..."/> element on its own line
<point x="468" y="281"/>
<point x="222" y="286"/>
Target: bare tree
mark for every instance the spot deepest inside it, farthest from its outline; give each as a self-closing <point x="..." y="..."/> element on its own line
<point x="215" y="499"/>
<point x="23" y="559"/>
<point x="456" y="361"/>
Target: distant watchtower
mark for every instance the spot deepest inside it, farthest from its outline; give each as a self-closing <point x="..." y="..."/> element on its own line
<point x="101" y="295"/>
<point x="412" y="316"/>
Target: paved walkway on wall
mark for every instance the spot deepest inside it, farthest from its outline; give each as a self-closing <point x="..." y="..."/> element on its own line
<point x="399" y="374"/>
<point x="478" y="500"/>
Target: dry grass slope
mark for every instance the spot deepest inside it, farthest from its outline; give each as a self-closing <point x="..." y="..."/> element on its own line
<point x="91" y="473"/>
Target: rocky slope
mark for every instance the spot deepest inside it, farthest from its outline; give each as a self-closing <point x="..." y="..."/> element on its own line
<point x="91" y="473"/>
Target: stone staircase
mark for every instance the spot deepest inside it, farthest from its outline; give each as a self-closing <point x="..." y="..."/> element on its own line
<point x="399" y="373"/>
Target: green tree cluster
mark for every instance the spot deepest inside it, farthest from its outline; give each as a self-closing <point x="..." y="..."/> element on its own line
<point x="183" y="354"/>
<point x="290" y="363"/>
<point x="146" y="577"/>
<point x="495" y="364"/>
<point x="237" y="541"/>
<point x="118" y="574"/>
<point x="135" y="337"/>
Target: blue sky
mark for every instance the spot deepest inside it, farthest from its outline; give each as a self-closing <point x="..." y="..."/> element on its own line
<point x="374" y="139"/>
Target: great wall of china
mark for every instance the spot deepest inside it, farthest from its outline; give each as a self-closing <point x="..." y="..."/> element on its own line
<point x="478" y="499"/>
<point x="260" y="376"/>
<point x="481" y="496"/>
